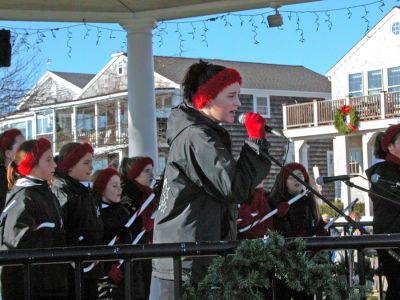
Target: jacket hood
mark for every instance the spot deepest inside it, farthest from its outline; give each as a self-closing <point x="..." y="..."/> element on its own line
<point x="184" y="116"/>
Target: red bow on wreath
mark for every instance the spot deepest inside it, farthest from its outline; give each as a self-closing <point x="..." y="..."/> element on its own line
<point x="346" y="109"/>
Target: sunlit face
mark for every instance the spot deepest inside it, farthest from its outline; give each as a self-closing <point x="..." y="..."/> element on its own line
<point x="146" y="176"/>
<point x="293" y="186"/>
<point x="225" y="105"/>
<point x="82" y="170"/>
<point x="113" y="190"/>
<point x="394" y="148"/>
<point x="45" y="167"/>
<point x="10" y="154"/>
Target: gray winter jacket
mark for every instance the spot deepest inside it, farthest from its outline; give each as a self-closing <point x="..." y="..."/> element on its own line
<point x="203" y="186"/>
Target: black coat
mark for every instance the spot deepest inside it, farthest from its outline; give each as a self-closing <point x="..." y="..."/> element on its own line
<point x="386" y="214"/>
<point x="34" y="205"/>
<point x="115" y="216"/>
<point x="3" y="187"/>
<point x="202" y="186"/>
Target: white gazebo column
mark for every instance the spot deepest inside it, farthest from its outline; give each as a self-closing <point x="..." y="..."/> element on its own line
<point x="142" y="134"/>
<point x="367" y="151"/>
<point x="340" y="160"/>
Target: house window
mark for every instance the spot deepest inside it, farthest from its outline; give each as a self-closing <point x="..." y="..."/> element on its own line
<point x="355" y="164"/>
<point x="329" y="162"/>
<point x="163" y="102"/>
<point x="261" y="105"/>
<point x="120" y="67"/>
<point x="396" y="28"/>
<point x="22" y="126"/>
<point x="374" y="82"/>
<point x="355" y="85"/>
<point x="44" y="123"/>
<point x="394" y="79"/>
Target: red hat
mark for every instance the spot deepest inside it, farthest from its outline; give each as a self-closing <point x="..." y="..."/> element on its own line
<point x="138" y="167"/>
<point x="102" y="179"/>
<point x="292" y="167"/>
<point x="390" y="133"/>
<point x="73" y="157"/>
<point x="8" y="138"/>
<point x="213" y="86"/>
<point x="32" y="157"/>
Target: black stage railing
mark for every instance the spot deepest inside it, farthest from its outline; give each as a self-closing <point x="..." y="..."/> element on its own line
<point x="176" y="251"/>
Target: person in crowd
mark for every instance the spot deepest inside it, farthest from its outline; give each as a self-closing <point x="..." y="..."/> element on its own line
<point x="301" y="219"/>
<point x="9" y="143"/>
<point x="136" y="190"/>
<point x="107" y="187"/>
<point x="81" y="210"/>
<point x="203" y="182"/>
<point x="252" y="211"/>
<point x="386" y="214"/>
<point x="33" y="221"/>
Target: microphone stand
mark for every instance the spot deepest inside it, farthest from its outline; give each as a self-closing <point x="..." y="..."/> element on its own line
<point x="351" y="184"/>
<point x="313" y="191"/>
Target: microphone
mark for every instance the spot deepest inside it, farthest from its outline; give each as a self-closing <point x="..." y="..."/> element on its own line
<point x="321" y="180"/>
<point x="242" y="120"/>
<point x="375" y="178"/>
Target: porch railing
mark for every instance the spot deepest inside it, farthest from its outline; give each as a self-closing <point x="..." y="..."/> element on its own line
<point x="28" y="257"/>
<point x="316" y="113"/>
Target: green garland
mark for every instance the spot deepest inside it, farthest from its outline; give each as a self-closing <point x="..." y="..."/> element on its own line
<point x="340" y="119"/>
<point x="245" y="274"/>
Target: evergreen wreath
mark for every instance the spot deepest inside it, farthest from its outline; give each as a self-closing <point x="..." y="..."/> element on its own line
<point x="341" y="124"/>
<point x="246" y="273"/>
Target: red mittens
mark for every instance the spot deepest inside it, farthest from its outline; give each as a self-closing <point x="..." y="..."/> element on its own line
<point x="255" y="125"/>
<point x="283" y="208"/>
<point x="115" y="274"/>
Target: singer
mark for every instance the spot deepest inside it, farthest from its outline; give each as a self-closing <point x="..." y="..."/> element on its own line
<point x="386" y="214"/>
<point x="203" y="182"/>
<point x="301" y="219"/>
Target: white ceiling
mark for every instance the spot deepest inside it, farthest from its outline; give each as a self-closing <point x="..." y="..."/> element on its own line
<point x="115" y="10"/>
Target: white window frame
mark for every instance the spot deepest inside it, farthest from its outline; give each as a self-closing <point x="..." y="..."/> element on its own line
<point x="374" y="91"/>
<point x="356" y="93"/>
<point x="40" y="118"/>
<point x="255" y="103"/>
<point x="393" y="88"/>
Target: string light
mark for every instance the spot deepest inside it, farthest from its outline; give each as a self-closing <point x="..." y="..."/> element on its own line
<point x="198" y="27"/>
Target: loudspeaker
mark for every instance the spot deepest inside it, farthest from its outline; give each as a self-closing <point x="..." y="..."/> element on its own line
<point x="5" y="48"/>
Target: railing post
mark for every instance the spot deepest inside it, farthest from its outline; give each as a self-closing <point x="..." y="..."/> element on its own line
<point x="73" y="124"/>
<point x="383" y="105"/>
<point x="96" y="124"/>
<point x="177" y="277"/>
<point x="78" y="280"/>
<point x="54" y="139"/>
<point x="284" y="116"/>
<point x="361" y="267"/>
<point x="128" y="279"/>
<point x="315" y="113"/>
<point x="27" y="282"/>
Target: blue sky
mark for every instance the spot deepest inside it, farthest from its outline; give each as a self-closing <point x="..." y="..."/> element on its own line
<point x="87" y="49"/>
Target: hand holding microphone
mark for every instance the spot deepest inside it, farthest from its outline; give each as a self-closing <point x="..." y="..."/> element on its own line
<point x="255" y="125"/>
<point x="242" y="119"/>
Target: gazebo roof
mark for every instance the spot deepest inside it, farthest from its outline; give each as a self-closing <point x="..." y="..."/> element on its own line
<point x="114" y="10"/>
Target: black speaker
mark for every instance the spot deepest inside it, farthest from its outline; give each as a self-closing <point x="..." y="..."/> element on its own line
<point x="5" y="48"/>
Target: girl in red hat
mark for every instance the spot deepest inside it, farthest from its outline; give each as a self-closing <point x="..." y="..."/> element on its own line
<point x="137" y="177"/>
<point x="301" y="219"/>
<point x="9" y="143"/>
<point x="33" y="220"/>
<point x="115" y="215"/>
<point x="81" y="209"/>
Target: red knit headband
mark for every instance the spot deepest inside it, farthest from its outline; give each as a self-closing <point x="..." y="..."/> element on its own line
<point x="102" y="179"/>
<point x="32" y="157"/>
<point x="389" y="135"/>
<point x="212" y="87"/>
<point x="74" y="156"/>
<point x="8" y="138"/>
<point x="138" y="167"/>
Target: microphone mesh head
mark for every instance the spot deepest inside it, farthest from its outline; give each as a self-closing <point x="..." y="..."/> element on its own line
<point x="375" y="178"/>
<point x="320" y="180"/>
<point x="242" y="118"/>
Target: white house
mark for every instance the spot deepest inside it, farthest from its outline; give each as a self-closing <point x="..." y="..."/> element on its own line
<point x="367" y="78"/>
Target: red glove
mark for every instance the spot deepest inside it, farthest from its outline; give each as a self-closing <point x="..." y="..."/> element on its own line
<point x="255" y="125"/>
<point x="283" y="208"/>
<point x="115" y="274"/>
